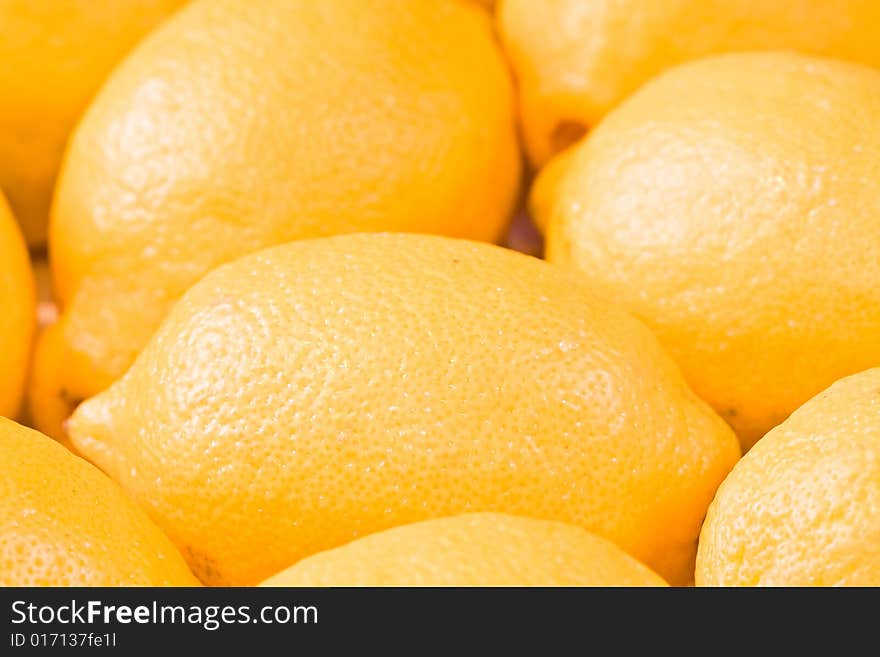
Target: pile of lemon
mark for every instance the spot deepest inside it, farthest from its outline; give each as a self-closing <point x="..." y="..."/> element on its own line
<point x="288" y="352"/>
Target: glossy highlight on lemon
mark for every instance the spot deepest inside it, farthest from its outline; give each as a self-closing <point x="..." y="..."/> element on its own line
<point x="309" y="394"/>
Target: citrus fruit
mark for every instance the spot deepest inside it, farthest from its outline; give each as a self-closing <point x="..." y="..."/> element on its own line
<point x="311" y="393"/>
<point x="802" y="508"/>
<point x="577" y="59"/>
<point x="480" y="549"/>
<point x="239" y="125"/>
<point x="18" y="317"/>
<point x="64" y="523"/>
<point x="55" y="56"/>
<point x="733" y="204"/>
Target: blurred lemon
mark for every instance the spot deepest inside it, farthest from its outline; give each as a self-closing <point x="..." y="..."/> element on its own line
<point x="18" y="318"/>
<point x="577" y="59"/>
<point x="56" y="54"/>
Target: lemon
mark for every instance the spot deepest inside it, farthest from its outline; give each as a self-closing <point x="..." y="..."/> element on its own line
<point x="312" y="393"/>
<point x="56" y="54"/>
<point x="480" y="549"/>
<point x="802" y="508"/>
<point x="238" y="125"/>
<point x="576" y="60"/>
<point x="733" y="204"/>
<point x="18" y="317"/>
<point x="64" y="523"/>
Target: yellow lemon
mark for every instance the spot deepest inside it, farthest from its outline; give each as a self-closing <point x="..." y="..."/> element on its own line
<point x="56" y="54"/>
<point x="802" y="508"/>
<point x="64" y="523"/>
<point x="309" y="394"/>
<point x="239" y="125"/>
<point x="734" y="205"/>
<point x="18" y="316"/>
<point x="480" y="549"/>
<point x="577" y="59"/>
